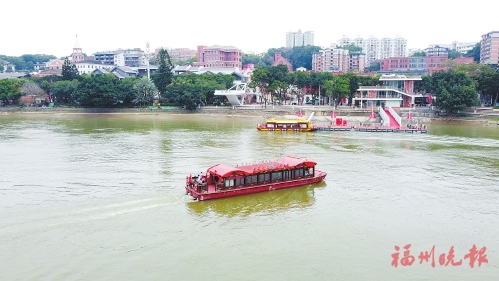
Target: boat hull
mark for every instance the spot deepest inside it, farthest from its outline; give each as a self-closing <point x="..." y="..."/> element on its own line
<point x="318" y="177"/>
<point x="265" y="129"/>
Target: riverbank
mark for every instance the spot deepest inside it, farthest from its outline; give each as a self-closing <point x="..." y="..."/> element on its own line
<point x="480" y="116"/>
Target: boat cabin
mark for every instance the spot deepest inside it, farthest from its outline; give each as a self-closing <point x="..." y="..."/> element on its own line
<point x="287" y="169"/>
<point x="301" y="124"/>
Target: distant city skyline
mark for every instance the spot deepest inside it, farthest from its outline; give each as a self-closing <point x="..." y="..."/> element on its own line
<point x="248" y="31"/>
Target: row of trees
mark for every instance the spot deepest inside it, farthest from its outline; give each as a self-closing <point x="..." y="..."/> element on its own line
<point x="300" y="56"/>
<point x="24" y="62"/>
<point x="107" y="91"/>
<point x="455" y="89"/>
<point x="459" y="87"/>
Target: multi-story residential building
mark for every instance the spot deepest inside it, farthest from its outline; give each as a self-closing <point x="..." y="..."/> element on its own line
<point x="219" y="57"/>
<point x="111" y="57"/>
<point x="489" y="50"/>
<point x="337" y="60"/>
<point x="134" y="57"/>
<point x="294" y="39"/>
<point x="122" y="57"/>
<point x="376" y="49"/>
<point x="357" y="61"/>
<point x="330" y="60"/>
<point x="437" y="51"/>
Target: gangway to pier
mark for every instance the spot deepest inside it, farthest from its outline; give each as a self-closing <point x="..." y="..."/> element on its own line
<point x="390" y="117"/>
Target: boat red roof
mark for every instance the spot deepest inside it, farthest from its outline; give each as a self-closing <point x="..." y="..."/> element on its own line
<point x="289" y="162"/>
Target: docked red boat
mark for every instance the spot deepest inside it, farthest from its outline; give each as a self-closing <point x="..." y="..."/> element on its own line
<point x="221" y="180"/>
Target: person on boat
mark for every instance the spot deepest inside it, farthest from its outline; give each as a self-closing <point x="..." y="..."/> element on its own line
<point x="201" y="177"/>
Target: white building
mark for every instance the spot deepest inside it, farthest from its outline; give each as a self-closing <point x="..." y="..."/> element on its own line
<point x="89" y="66"/>
<point x="111" y="57"/>
<point x="376" y="49"/>
<point x="457" y="46"/>
<point x="294" y="39"/>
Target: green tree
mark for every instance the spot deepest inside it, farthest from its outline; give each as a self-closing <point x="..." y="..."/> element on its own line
<point x="69" y="71"/>
<point x="98" y="91"/>
<point x="301" y="56"/>
<point x="254" y="59"/>
<point x="260" y="82"/>
<point x="205" y="84"/>
<point x="374" y="66"/>
<point x="63" y="91"/>
<point x="184" y="95"/>
<point x="9" y="90"/>
<point x="145" y="91"/>
<point x="488" y="84"/>
<point x="419" y="54"/>
<point x="127" y="92"/>
<point x="298" y="81"/>
<point x="278" y="82"/>
<point x="353" y="85"/>
<point x="337" y="88"/>
<point x="422" y="86"/>
<point x="9" y="69"/>
<point x="351" y="48"/>
<point x="163" y="76"/>
<point x="475" y="52"/>
<point x="453" y="90"/>
<point x="45" y="85"/>
<point x="18" y="62"/>
<point x="32" y="59"/>
<point x="317" y="81"/>
<point x="486" y="78"/>
<point x="453" y="54"/>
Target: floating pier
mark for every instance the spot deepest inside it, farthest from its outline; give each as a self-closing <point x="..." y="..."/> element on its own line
<point x="372" y="129"/>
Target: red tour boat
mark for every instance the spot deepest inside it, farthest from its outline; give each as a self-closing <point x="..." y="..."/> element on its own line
<point x="225" y="181"/>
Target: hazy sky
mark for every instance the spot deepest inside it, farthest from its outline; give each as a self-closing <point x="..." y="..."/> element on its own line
<point x="50" y="27"/>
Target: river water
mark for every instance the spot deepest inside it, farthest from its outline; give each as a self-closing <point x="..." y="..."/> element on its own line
<point x="101" y="197"/>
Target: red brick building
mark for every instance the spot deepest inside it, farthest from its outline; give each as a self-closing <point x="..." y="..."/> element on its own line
<point x="219" y="57"/>
<point x="279" y="59"/>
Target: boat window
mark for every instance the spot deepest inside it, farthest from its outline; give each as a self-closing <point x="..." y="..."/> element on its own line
<point x="229" y="182"/>
<point x="251" y="179"/>
<point x="264" y="177"/>
<point x="303" y="126"/>
<point x="239" y="181"/>
<point x="298" y="173"/>
<point x="277" y="176"/>
<point x="287" y="175"/>
<point x="270" y="125"/>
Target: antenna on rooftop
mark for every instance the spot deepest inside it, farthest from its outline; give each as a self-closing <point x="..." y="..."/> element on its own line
<point x="147" y="60"/>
